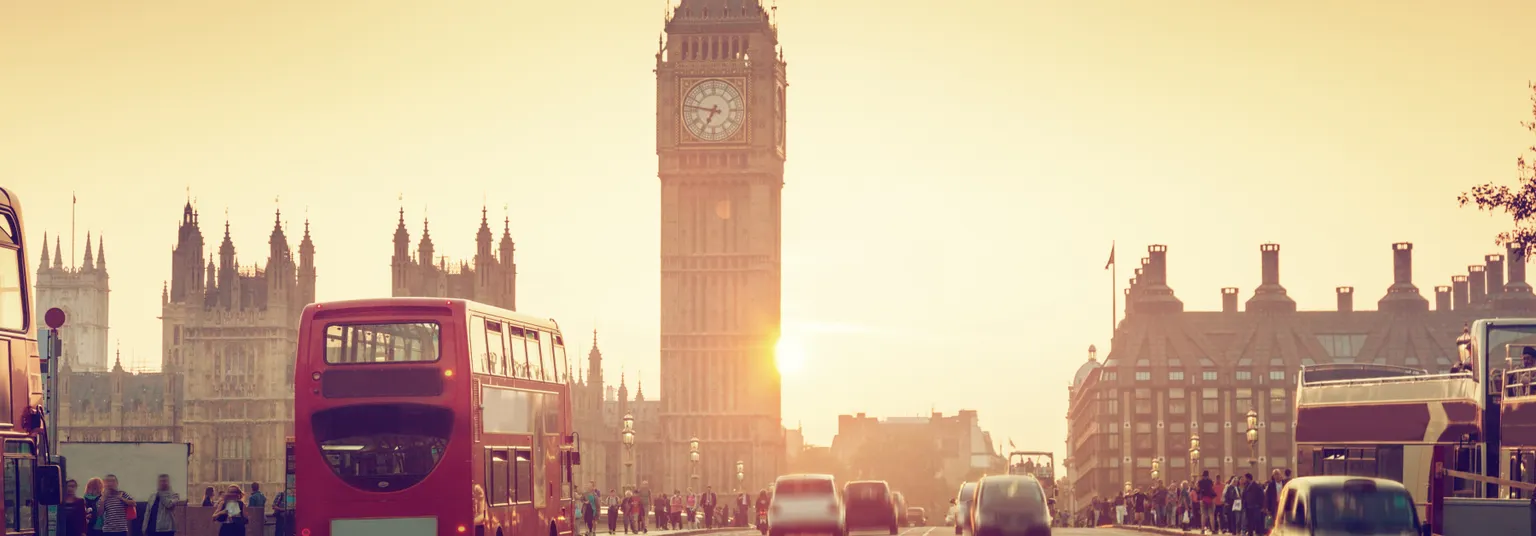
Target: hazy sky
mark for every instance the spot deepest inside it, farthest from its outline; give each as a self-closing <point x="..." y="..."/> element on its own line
<point x="957" y="170"/>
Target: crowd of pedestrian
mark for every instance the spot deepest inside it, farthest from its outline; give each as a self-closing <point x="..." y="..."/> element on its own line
<point x="1240" y="505"/>
<point x="106" y="510"/>
<point x="635" y="509"/>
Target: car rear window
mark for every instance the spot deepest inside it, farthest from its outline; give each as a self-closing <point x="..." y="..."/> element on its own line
<point x="967" y="492"/>
<point x="1363" y="511"/>
<point x="1011" y="494"/>
<point x="803" y="487"/>
<point x="866" y="491"/>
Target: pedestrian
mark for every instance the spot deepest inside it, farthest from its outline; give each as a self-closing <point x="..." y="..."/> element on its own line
<point x="160" y="517"/>
<point x="72" y="515"/>
<point x="611" y="504"/>
<point x="592" y="509"/>
<point x="257" y="501"/>
<point x="280" y="513"/>
<point x="1205" y="490"/>
<point x="92" y="498"/>
<point x="645" y="500"/>
<point x="708" y="503"/>
<point x="116" y="508"/>
<point x="581" y="510"/>
<point x="692" y="504"/>
<point x="231" y="514"/>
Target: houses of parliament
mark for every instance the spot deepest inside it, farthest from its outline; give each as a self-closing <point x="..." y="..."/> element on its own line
<point x="229" y="336"/>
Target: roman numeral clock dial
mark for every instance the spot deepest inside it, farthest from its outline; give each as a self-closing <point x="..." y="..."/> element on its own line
<point x="714" y="110"/>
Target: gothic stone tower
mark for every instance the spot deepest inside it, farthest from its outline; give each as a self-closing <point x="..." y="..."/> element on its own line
<point x="82" y="292"/>
<point x="720" y="104"/>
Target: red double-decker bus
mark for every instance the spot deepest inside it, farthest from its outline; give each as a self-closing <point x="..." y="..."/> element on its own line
<point x="29" y="482"/>
<point x="417" y="415"/>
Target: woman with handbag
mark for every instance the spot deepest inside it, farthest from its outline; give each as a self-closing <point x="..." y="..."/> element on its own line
<point x="231" y="513"/>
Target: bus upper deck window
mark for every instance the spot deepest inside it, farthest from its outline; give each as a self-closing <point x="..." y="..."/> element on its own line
<point x="13" y="300"/>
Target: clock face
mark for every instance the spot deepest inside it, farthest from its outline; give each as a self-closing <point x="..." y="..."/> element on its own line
<point x="714" y="110"/>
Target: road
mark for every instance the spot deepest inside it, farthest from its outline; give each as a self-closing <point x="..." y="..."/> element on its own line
<point x="947" y="531"/>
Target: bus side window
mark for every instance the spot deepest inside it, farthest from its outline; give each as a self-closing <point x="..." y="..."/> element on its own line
<point x="535" y="358"/>
<point x="495" y="358"/>
<point x="517" y="352"/>
<point x="499" y="465"/>
<point x="13" y="284"/>
<point x="545" y="342"/>
<point x="522" y="476"/>
<point x="477" y="345"/>
<point x="561" y="374"/>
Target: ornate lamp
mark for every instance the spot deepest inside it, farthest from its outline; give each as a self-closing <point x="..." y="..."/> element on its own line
<point x="1155" y="466"/>
<point x="1253" y="436"/>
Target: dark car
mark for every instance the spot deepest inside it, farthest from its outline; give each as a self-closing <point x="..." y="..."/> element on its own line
<point x="1010" y="505"/>
<point x="899" y="502"/>
<point x="917" y="516"/>
<point x="868" y="505"/>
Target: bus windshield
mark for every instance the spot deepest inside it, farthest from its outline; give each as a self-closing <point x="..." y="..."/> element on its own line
<point x="382" y="447"/>
<point x="405" y="342"/>
<point x="1353" y="511"/>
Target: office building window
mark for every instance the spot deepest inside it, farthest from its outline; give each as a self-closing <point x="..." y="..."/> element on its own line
<point x="1209" y="376"/>
<point x="1175" y="375"/>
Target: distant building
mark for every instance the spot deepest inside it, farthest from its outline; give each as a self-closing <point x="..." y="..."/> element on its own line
<point x="229" y="336"/>
<point x="963" y="446"/>
<point x="1173" y="374"/>
<point x="491" y="278"/>
<point x="81" y="291"/>
<point x="794" y="443"/>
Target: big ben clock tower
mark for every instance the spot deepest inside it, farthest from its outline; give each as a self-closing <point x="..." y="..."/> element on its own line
<point x="720" y="143"/>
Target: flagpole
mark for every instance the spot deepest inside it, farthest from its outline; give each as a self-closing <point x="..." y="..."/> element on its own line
<point x="72" y="201"/>
<point x="1114" y="295"/>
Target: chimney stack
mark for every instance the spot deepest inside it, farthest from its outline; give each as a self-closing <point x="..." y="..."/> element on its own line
<point x="1346" y="299"/>
<point x="1158" y="255"/>
<point x="1459" y="292"/>
<point x="1478" y="280"/>
<point x="1229" y="300"/>
<point x="1517" y="294"/>
<point x="1153" y="294"/>
<point x="1270" y="297"/>
<point x="1495" y="274"/>
<point x="1517" y="262"/>
<point x="1402" y="296"/>
<point x="1443" y="298"/>
<point x="1269" y="262"/>
<point x="1402" y="263"/>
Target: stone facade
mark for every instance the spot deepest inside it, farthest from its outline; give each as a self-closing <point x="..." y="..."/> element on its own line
<point x="490" y="279"/>
<point x="721" y="176"/>
<point x="229" y="336"/>
<point x="82" y="292"/>
<point x="1173" y="373"/>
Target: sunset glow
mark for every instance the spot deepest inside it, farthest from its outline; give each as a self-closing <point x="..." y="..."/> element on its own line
<point x="789" y="355"/>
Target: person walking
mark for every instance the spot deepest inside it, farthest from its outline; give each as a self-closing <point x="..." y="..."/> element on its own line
<point x="231" y="514"/>
<point x="1205" y="490"/>
<point x="115" y="508"/>
<point x="611" y="502"/>
<point x="692" y="504"/>
<point x="93" y="488"/>
<point x="708" y="503"/>
<point x="160" y="518"/>
<point x="72" y="515"/>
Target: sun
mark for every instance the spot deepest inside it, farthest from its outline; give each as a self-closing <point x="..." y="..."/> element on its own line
<point x="789" y="356"/>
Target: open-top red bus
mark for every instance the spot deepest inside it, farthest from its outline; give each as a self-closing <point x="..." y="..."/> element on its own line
<point x="415" y="415"/>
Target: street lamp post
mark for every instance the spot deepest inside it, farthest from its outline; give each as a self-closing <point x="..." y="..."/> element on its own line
<point x="629" y="450"/>
<point x="693" y="459"/>
<point x="1194" y="455"/>
<point x="1155" y="466"/>
<point x="1253" y="437"/>
<point x="741" y="474"/>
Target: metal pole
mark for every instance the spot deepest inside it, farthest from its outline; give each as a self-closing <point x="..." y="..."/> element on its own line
<point x="50" y="350"/>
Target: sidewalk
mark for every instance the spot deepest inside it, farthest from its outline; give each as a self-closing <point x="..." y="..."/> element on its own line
<point x="1156" y="530"/>
<point x="679" y="532"/>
